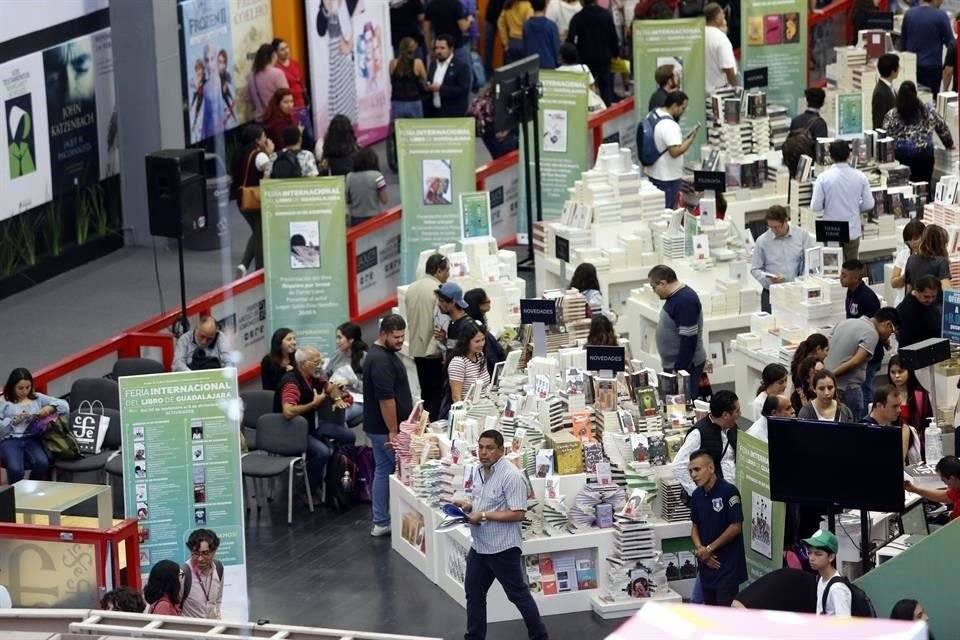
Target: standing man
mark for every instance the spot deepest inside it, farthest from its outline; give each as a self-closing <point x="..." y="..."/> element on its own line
<point x="886" y="407"/>
<point x="421" y="305"/>
<point x="202" y="577"/>
<point x="500" y="504"/>
<point x="666" y="172"/>
<point x="680" y="330"/>
<point x="926" y="30"/>
<point x="919" y="313"/>
<point x="715" y="435"/>
<point x="811" y="120"/>
<point x="720" y="65"/>
<point x="884" y="95"/>
<point x="779" y="253"/>
<point x="450" y="303"/>
<point x="860" y="300"/>
<point x="203" y="348"/>
<point x="593" y="33"/>
<point x="449" y="80"/>
<point x="667" y="82"/>
<point x="841" y="193"/>
<point x="386" y="403"/>
<point x="445" y="17"/>
<point x="832" y="599"/>
<point x="717" y="529"/>
<point x="852" y="344"/>
<point x="406" y="18"/>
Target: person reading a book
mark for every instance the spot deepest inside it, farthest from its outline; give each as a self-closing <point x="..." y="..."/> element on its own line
<point x="841" y="193"/>
<point x="779" y="253"/>
<point x="495" y="516"/>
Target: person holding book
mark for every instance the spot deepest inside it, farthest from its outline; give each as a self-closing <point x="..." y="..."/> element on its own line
<point x="841" y="193"/>
<point x="779" y="253"/>
<point x="495" y="514"/>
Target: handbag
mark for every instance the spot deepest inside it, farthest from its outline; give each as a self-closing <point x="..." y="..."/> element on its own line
<point x="90" y="428"/>
<point x="249" y="196"/>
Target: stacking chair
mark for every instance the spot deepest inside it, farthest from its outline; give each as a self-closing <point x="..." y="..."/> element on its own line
<point x="282" y="445"/>
<point x="90" y="389"/>
<point x="255" y="404"/>
<point x="135" y="367"/>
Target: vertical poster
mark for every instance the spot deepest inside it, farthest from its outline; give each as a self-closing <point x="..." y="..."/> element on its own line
<point x="475" y="215"/>
<point x="206" y="47"/>
<point x="563" y="141"/>
<point x="678" y="43"/>
<point x="763" y="519"/>
<point x="25" y="160"/>
<point x="378" y="266"/>
<point x="181" y="470"/>
<point x="108" y="134"/>
<point x="251" y="26"/>
<point x="349" y="50"/>
<point x="437" y="162"/>
<point x="849" y="115"/>
<point x="304" y="224"/>
<point x="773" y="34"/>
<point x="951" y="316"/>
<point x="504" y="190"/>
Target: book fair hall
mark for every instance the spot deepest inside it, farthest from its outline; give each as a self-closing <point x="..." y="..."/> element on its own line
<point x="480" y="319"/>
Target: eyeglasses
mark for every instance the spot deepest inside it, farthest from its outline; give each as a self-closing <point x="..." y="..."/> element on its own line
<point x="206" y="553"/>
<point x="181" y="574"/>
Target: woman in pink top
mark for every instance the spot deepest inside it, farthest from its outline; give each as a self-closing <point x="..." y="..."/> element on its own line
<point x="265" y="79"/>
<point x="164" y="588"/>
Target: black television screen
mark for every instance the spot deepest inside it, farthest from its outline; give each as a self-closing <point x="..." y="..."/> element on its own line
<point x="507" y="80"/>
<point x="836" y="464"/>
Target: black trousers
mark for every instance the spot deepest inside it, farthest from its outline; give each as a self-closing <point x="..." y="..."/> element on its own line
<point x="430" y="374"/>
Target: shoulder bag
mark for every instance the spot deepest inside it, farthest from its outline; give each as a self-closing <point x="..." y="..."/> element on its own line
<point x="249" y="196"/>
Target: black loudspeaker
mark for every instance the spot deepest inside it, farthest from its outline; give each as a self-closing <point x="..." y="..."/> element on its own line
<point x="925" y="353"/>
<point x="176" y="191"/>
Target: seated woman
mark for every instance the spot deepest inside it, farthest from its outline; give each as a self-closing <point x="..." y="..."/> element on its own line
<point x="602" y="333"/>
<point x="773" y="382"/>
<point x="468" y="364"/>
<point x="347" y="364"/>
<point x="279" y="361"/>
<point x="478" y="304"/>
<point x="24" y="416"/>
<point x="825" y="405"/>
<point x="916" y="410"/>
<point x="803" y="382"/>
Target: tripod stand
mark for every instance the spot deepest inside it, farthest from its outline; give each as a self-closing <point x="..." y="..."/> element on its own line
<point x="525" y="104"/>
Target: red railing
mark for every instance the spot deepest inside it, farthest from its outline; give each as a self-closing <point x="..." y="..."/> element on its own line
<point x="155" y="333"/>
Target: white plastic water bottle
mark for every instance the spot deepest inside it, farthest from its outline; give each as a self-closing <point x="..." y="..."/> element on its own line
<point x="933" y="443"/>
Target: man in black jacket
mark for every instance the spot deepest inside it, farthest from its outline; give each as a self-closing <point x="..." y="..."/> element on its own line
<point x="884" y="97"/>
<point x="449" y="81"/>
<point x="595" y="36"/>
<point x="919" y="312"/>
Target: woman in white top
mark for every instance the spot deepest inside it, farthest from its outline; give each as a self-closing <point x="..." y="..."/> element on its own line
<point x="825" y="405"/>
<point x="773" y="382"/>
<point x="468" y="364"/>
<point x="911" y="237"/>
<point x="562" y="12"/>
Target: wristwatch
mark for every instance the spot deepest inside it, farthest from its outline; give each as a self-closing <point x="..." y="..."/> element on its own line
<point x="483" y="518"/>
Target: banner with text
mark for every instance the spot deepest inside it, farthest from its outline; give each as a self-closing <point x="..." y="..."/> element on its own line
<point x="763" y="519"/>
<point x="304" y="224"/>
<point x="773" y="34"/>
<point x="206" y="45"/>
<point x="378" y="266"/>
<point x="437" y="161"/>
<point x="679" y="43"/>
<point x="181" y="470"/>
<point x="251" y="24"/>
<point x="504" y="188"/>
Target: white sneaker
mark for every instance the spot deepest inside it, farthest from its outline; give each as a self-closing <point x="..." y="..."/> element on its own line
<point x="379" y="531"/>
<point x="241" y="270"/>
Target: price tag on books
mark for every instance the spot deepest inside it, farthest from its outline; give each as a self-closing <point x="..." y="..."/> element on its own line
<point x="605" y="358"/>
<point x="709" y="181"/>
<point x="535" y="310"/>
<point x="755" y="78"/>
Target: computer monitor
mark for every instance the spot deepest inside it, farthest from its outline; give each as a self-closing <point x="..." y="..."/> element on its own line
<point x="913" y="521"/>
<point x="507" y="80"/>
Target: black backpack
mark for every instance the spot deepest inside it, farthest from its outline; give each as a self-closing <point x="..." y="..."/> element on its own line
<point x="188" y="577"/>
<point x="799" y="142"/>
<point x="342" y="481"/>
<point x="860" y="604"/>
<point x="286" y="165"/>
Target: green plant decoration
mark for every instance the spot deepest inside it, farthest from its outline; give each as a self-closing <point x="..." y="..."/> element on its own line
<point x="83" y="217"/>
<point x="25" y="239"/>
<point x="8" y="249"/>
<point x="99" y="216"/>
<point x="52" y="226"/>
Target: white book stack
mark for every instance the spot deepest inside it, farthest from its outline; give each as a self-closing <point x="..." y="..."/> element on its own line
<point x="760" y="134"/>
<point x="616" y="446"/>
<point x="550" y="410"/>
<point x="779" y="120"/>
<point x="941" y="213"/>
<point x="633" y="538"/>
<point x="451" y="483"/>
<point x="428" y="482"/>
<point x="672" y="247"/>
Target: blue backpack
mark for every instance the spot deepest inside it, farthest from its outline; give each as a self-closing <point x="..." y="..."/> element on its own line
<point x="646" y="146"/>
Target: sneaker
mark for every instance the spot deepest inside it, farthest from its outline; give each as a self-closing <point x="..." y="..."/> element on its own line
<point x="241" y="270"/>
<point x="379" y="530"/>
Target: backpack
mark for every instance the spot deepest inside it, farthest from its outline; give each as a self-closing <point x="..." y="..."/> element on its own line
<point x="690" y="8"/>
<point x="362" y="457"/>
<point x="188" y="577"/>
<point x="860" y="605"/>
<point x="286" y="165"/>
<point x="341" y="479"/>
<point x="646" y="145"/>
<point x="59" y="441"/>
<point x="799" y="142"/>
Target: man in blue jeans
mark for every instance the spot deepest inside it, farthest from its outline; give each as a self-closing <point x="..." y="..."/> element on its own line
<point x="666" y="172"/>
<point x="498" y="508"/>
<point x="386" y="403"/>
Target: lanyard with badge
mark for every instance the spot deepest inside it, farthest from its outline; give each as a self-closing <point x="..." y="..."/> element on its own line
<point x="206" y="589"/>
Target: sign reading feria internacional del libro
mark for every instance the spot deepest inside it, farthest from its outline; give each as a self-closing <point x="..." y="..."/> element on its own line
<point x="181" y="470"/>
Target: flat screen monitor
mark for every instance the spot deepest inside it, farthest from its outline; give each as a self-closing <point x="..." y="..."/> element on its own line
<point x="836" y="464"/>
<point x="913" y="521"/>
<point x="507" y="80"/>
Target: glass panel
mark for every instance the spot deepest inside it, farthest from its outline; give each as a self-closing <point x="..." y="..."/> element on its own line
<point x="54" y="496"/>
<point x="49" y="573"/>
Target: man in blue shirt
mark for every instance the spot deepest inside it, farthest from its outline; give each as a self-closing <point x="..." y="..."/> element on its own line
<point x="779" y="253"/>
<point x="717" y="532"/>
<point x="841" y="193"/>
<point x="680" y="329"/>
<point x="926" y="31"/>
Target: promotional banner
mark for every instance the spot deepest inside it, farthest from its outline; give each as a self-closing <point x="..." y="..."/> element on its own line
<point x="108" y="138"/>
<point x="763" y="519"/>
<point x="207" y="44"/>
<point x="349" y="49"/>
<point x="563" y="141"/>
<point x="437" y="162"/>
<point x="504" y="190"/>
<point x="774" y="35"/>
<point x="951" y="316"/>
<point x="678" y="43"/>
<point x="181" y="470"/>
<point x="251" y="25"/>
<point x="378" y="266"/>
<point x="622" y="130"/>
<point x="304" y="223"/>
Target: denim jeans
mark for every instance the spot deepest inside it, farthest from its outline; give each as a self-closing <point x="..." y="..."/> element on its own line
<point x="696" y="597"/>
<point x="317" y="455"/>
<point x="339" y="432"/>
<point x="354" y="411"/>
<point x="721" y="596"/>
<point x="671" y="191"/>
<point x="385" y="463"/>
<point x="401" y="109"/>
<point x="507" y="568"/>
<point x="18" y="454"/>
<point x="852" y="396"/>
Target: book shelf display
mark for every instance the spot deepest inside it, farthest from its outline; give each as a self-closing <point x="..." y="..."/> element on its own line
<point x="414" y="525"/>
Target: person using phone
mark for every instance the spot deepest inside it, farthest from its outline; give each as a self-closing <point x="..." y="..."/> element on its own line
<point x="23" y="418"/>
<point x="666" y="172"/>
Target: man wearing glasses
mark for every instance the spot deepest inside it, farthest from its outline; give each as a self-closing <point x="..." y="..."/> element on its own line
<point x="203" y="348"/>
<point x="202" y="577"/>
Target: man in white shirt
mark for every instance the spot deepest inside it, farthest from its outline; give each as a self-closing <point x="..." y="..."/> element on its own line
<point x="666" y="172"/>
<point x="823" y="555"/>
<point x="773" y="407"/>
<point x="720" y="65"/>
<point x="715" y="434"/>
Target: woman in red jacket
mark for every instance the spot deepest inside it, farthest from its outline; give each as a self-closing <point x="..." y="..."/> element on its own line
<point x="280" y="114"/>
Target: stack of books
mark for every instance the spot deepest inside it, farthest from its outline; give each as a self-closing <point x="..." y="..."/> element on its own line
<point x="672" y="508"/>
<point x="779" y="125"/>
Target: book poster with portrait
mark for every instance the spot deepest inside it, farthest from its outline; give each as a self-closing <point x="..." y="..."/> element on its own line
<point x="475" y="214"/>
<point x="207" y="47"/>
<point x="108" y="131"/>
<point x="774" y="35"/>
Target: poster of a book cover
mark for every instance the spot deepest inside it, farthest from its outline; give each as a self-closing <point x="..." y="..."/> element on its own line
<point x="108" y="133"/>
<point x="25" y="161"/>
<point x="207" y="46"/>
<point x="72" y="110"/>
<point x="251" y="25"/>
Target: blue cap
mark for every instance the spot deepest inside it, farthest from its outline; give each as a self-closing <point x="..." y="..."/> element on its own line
<point x="452" y="291"/>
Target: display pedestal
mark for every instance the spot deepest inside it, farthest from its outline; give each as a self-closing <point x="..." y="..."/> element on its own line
<point x="626" y="608"/>
<point x="403" y="502"/>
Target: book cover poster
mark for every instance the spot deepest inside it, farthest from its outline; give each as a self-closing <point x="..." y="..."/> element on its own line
<point x="108" y="133"/>
<point x="207" y="47"/>
<point x="25" y="162"/>
<point x="251" y="25"/>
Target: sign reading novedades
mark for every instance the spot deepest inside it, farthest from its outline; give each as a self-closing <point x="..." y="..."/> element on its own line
<point x="533" y="310"/>
<point x="606" y="358"/>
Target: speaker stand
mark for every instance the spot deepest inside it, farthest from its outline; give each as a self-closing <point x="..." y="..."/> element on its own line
<point x="182" y="324"/>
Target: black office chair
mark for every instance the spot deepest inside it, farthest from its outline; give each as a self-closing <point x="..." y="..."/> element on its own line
<point x="282" y="445"/>
<point x="95" y="462"/>
<point x="255" y="404"/>
<point x="136" y="367"/>
<point x="90" y="389"/>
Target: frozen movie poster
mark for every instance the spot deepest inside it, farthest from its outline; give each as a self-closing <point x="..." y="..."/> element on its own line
<point x="211" y="96"/>
<point x="251" y="25"/>
<point x="72" y="113"/>
<point x="348" y="41"/>
<point x="108" y="134"/>
<point x="25" y="161"/>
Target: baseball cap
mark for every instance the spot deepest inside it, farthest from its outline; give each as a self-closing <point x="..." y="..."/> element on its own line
<point x="822" y="540"/>
<point x="452" y="291"/>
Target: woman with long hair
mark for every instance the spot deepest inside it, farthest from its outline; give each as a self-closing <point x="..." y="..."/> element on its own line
<point x="295" y="79"/>
<point x="912" y="232"/>
<point x="339" y="146"/>
<point x="478" y="305"/>
<point x="467" y="364"/>
<point x="908" y="609"/>
<point x="931" y="259"/>
<point x="164" y="589"/>
<point x="264" y="80"/>
<point x="602" y="333"/>
<point x="513" y="16"/>
<point x="585" y="281"/>
<point x="408" y="76"/>
<point x="247" y="170"/>
<point x="348" y="360"/>
<point x="816" y="345"/>
<point x="803" y="391"/>
<point x="825" y="406"/>
<point x="912" y="125"/>
<point x="283" y="345"/>
<point x="916" y="409"/>
<point x="280" y="114"/>
<point x="24" y="415"/>
<point x="773" y="382"/>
